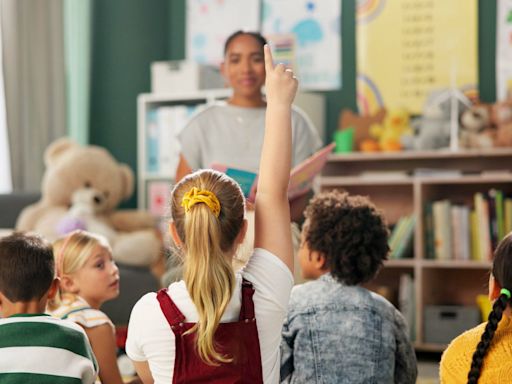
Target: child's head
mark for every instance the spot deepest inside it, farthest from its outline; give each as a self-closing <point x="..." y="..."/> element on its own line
<point x="26" y="268"/>
<point x="85" y="266"/>
<point x="207" y="209"/>
<point x="500" y="288"/>
<point x="344" y="235"/>
<point x="243" y="66"/>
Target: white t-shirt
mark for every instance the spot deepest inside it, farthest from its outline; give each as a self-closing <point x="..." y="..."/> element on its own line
<point x="233" y="136"/>
<point x="151" y="339"/>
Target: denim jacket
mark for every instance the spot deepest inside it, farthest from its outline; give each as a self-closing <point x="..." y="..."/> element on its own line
<point x="335" y="333"/>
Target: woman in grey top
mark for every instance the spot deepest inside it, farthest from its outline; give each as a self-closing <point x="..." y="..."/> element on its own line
<point x="231" y="133"/>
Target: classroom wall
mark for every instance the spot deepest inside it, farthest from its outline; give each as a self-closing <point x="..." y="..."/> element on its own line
<point x="130" y="34"/>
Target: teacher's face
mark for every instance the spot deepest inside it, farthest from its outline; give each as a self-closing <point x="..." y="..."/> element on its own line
<point x="243" y="66"/>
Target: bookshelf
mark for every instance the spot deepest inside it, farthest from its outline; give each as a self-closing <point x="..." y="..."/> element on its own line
<point x="394" y="184"/>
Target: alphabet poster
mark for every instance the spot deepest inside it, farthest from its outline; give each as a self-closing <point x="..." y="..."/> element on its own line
<point x="408" y="48"/>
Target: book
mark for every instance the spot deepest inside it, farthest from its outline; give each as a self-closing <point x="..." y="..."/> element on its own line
<point x="404" y="247"/>
<point x="407" y="303"/>
<point x="441" y="213"/>
<point x="301" y="176"/>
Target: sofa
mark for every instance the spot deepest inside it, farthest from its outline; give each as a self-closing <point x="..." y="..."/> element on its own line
<point x="135" y="281"/>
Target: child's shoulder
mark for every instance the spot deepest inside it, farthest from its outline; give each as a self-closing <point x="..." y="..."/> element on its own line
<point x="78" y="311"/>
<point x="45" y="323"/>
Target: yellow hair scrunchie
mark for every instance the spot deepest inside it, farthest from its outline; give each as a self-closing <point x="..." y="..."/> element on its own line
<point x="196" y="195"/>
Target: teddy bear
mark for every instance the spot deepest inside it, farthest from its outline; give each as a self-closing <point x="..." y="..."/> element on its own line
<point x="81" y="188"/>
<point x="501" y="117"/>
<point x="476" y="129"/>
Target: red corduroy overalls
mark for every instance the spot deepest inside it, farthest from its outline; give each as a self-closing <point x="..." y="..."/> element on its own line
<point x="238" y="340"/>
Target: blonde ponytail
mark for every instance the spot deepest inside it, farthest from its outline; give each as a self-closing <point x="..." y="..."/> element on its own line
<point x="209" y="279"/>
<point x="208" y="237"/>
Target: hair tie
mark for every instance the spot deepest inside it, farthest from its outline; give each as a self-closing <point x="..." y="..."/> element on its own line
<point x="196" y="196"/>
<point x="506" y="292"/>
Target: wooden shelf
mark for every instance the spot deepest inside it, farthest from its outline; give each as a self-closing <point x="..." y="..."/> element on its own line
<point x="466" y="264"/>
<point x="430" y="347"/>
<point x="394" y="186"/>
<point x="419" y="155"/>
<point x="400" y="263"/>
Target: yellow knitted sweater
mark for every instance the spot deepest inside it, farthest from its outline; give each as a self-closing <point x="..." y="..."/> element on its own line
<point x="497" y="365"/>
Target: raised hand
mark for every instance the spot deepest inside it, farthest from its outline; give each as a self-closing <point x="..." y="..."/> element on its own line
<point x="280" y="83"/>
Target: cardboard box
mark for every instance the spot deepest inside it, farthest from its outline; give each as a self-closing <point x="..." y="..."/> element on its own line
<point x="184" y="76"/>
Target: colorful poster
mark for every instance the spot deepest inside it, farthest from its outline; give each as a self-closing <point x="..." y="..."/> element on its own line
<point x="408" y="48"/>
<point x="210" y="22"/>
<point x="504" y="50"/>
<point x="158" y="197"/>
<point x="316" y="28"/>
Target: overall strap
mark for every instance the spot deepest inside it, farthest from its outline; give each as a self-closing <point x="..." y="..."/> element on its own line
<point x="171" y="312"/>
<point x="247" y="309"/>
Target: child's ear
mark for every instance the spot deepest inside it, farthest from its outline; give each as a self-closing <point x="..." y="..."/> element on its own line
<point x="241" y="235"/>
<point x="54" y="288"/>
<point x="174" y="234"/>
<point x="494" y="288"/>
<point x="318" y="260"/>
<point x="68" y="284"/>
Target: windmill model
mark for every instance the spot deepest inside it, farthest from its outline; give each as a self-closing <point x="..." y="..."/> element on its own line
<point x="455" y="96"/>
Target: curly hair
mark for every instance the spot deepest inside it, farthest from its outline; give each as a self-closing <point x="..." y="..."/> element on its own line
<point x="502" y="272"/>
<point x="351" y="234"/>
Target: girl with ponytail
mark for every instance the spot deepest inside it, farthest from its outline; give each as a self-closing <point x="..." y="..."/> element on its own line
<point x="216" y="326"/>
<point x="483" y="354"/>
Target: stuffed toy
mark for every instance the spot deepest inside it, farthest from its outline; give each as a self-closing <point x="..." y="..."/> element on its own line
<point x="389" y="134"/>
<point x="475" y="130"/>
<point x="361" y="125"/>
<point x="501" y="117"/>
<point x="81" y="188"/>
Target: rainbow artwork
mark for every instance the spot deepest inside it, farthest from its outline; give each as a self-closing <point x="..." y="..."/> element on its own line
<point x="367" y="10"/>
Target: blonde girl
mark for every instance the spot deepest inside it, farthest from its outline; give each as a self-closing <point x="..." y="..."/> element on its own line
<point x="88" y="278"/>
<point x="216" y="326"/>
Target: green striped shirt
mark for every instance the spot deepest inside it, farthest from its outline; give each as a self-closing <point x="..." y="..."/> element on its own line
<point x="41" y="349"/>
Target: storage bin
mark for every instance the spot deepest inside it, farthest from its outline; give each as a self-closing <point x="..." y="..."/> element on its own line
<point x="442" y="323"/>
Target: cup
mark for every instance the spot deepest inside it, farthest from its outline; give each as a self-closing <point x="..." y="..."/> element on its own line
<point x="344" y="140"/>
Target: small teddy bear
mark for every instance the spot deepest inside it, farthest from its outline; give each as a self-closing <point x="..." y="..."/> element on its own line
<point x="475" y="128"/>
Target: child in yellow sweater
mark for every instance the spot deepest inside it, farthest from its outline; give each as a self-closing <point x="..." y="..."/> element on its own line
<point x="483" y="354"/>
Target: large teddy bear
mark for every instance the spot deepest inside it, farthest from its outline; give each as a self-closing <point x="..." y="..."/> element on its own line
<point x="81" y="188"/>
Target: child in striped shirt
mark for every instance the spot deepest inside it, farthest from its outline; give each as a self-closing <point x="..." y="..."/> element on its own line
<point x="34" y="347"/>
<point x="88" y="278"/>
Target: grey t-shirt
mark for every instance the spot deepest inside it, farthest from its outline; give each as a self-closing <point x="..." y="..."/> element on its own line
<point x="233" y="136"/>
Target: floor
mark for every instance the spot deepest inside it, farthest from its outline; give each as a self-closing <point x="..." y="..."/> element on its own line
<point x="428" y="368"/>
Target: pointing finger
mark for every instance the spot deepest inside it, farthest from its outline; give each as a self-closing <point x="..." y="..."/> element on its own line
<point x="269" y="63"/>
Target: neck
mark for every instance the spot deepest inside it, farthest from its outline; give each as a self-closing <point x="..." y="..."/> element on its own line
<point x="255" y="101"/>
<point x="25" y="308"/>
<point x="94" y="304"/>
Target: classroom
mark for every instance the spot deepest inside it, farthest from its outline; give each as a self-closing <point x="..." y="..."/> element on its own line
<point x="120" y="120"/>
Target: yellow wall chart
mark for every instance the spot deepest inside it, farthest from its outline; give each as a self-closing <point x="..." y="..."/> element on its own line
<point x="407" y="48"/>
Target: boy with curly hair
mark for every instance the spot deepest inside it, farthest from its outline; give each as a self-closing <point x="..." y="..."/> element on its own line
<point x="336" y="331"/>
